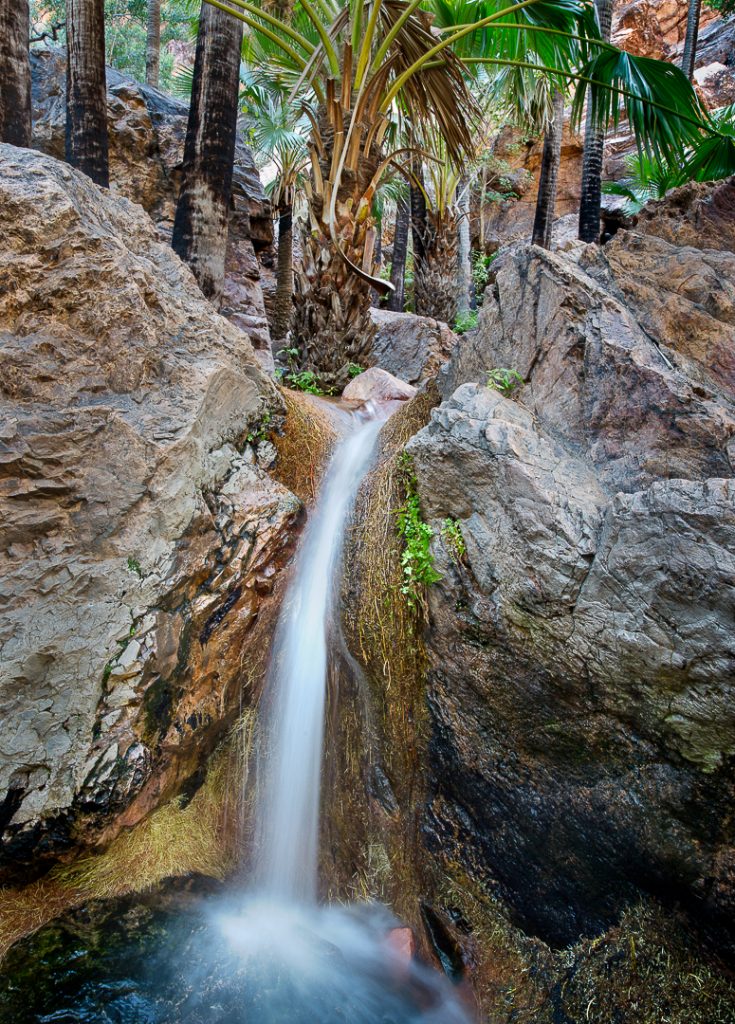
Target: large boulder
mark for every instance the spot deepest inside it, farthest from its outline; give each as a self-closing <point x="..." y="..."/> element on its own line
<point x="139" y="541"/>
<point x="581" y="658"/>
<point x="411" y="347"/>
<point x="147" y="129"/>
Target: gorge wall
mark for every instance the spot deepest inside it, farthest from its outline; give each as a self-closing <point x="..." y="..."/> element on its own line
<point x="569" y="753"/>
<point x="140" y="538"/>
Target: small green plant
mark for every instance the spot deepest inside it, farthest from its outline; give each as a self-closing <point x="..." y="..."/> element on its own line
<point x="466" y="321"/>
<point x="262" y="431"/>
<point x="354" y="370"/>
<point x="481" y="264"/>
<point x="417" y="561"/>
<point x="504" y="381"/>
<point x="134" y="566"/>
<point x="304" y="380"/>
<point x="452" y="535"/>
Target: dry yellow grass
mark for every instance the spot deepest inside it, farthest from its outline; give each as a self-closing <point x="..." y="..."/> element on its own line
<point x="305" y="444"/>
<point x="202" y="837"/>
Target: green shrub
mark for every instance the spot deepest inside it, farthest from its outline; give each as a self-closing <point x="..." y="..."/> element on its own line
<point x="504" y="381"/>
<point x="466" y="321"/>
<point x="452" y="536"/>
<point x="417" y="561"/>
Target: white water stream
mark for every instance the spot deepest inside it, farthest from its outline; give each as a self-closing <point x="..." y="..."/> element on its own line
<point x="289" y="809"/>
<point x="302" y="963"/>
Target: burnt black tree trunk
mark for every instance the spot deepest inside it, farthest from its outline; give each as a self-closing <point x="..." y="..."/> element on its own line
<point x="202" y="212"/>
<point x="594" y="144"/>
<point x="543" y="223"/>
<point x="15" y="73"/>
<point x="283" y="306"/>
<point x="690" y="42"/>
<point x="153" y="43"/>
<point x="86" y="89"/>
<point x="397" y="298"/>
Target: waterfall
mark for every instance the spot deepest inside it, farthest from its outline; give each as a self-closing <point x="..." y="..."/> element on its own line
<point x="297" y="962"/>
<point x="289" y="808"/>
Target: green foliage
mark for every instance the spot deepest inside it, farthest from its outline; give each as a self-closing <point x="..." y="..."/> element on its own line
<point x="709" y="159"/>
<point x="466" y="321"/>
<point x="725" y="7"/>
<point x="481" y="264"/>
<point x="504" y="381"/>
<point x="134" y="566"/>
<point x="125" y="32"/>
<point x="417" y="561"/>
<point x="261" y="432"/>
<point x="304" y="380"/>
<point x="354" y="370"/>
<point x="645" y="179"/>
<point x="452" y="535"/>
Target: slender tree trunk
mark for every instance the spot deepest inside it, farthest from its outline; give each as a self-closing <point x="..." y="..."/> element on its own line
<point x="594" y="144"/>
<point x="15" y="73"/>
<point x="283" y="310"/>
<point x="202" y="212"/>
<point x="543" y="224"/>
<point x="483" y="190"/>
<point x="464" y="252"/>
<point x="397" y="298"/>
<point x="153" y="43"/>
<point x="86" y="89"/>
<point x="690" y="43"/>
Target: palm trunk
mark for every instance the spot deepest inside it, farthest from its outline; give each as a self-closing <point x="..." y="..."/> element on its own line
<point x="86" y="89"/>
<point x="153" y="43"/>
<point x="690" y="43"/>
<point x="202" y="212"/>
<point x="397" y="298"/>
<point x="464" y="252"/>
<point x="332" y="322"/>
<point x="594" y="144"/>
<point x="284" y="274"/>
<point x="435" y="276"/>
<point x="543" y="224"/>
<point x="15" y="73"/>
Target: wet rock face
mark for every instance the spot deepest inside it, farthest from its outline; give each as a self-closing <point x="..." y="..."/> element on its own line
<point x="147" y="130"/>
<point x="581" y="651"/>
<point x="139" y="541"/>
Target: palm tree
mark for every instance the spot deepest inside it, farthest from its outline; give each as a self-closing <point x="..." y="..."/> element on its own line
<point x="86" y="89"/>
<point x="355" y="70"/>
<point x="357" y="62"/>
<point x="397" y="298"/>
<point x="690" y="41"/>
<point x="202" y="212"/>
<point x="594" y="145"/>
<point x="436" y="271"/>
<point x="278" y="134"/>
<point x="153" y="43"/>
<point x="15" y="73"/>
<point x="543" y="223"/>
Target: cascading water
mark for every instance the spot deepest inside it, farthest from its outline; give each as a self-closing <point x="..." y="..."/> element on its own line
<point x="289" y="810"/>
<point x="271" y="956"/>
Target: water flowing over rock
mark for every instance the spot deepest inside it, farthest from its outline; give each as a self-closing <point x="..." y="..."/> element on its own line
<point x="147" y="129"/>
<point x="581" y="657"/>
<point x="140" y="541"/>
